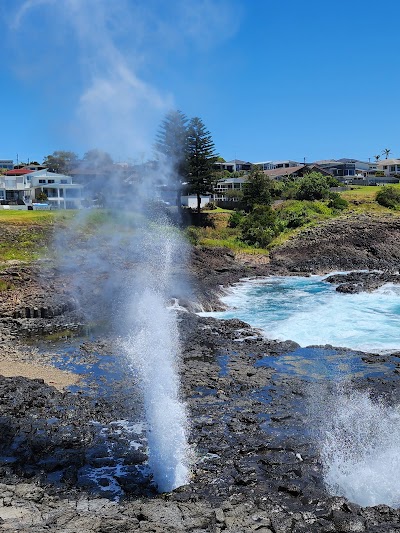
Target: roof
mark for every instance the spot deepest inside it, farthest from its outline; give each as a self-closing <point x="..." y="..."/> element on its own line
<point x="237" y="162"/>
<point x="284" y="171"/>
<point x="18" y="172"/>
<point x="388" y="162"/>
<point x="288" y="171"/>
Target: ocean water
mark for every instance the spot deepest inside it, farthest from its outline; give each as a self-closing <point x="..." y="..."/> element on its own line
<point x="309" y="311"/>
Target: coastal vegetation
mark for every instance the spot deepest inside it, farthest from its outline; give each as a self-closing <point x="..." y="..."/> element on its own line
<point x="288" y="208"/>
<point x="389" y="196"/>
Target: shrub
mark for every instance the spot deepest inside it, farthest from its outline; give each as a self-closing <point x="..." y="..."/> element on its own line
<point x="337" y="202"/>
<point x="332" y="181"/>
<point x="193" y="234"/>
<point x="260" y="226"/>
<point x="235" y="219"/>
<point x="388" y="196"/>
<point x="234" y="194"/>
<point x="313" y="186"/>
<point x="297" y="213"/>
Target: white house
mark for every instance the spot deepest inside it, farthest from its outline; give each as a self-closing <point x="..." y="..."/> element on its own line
<point x="24" y="186"/>
<point x="60" y="191"/>
<point x="390" y="167"/>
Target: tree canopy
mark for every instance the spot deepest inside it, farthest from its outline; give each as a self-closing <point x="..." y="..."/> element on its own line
<point x="97" y="158"/>
<point x="61" y="161"/>
<point x="257" y="189"/>
<point x="313" y="186"/>
<point x="201" y="157"/>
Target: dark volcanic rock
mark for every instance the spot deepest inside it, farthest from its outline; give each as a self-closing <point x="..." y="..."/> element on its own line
<point x="351" y="243"/>
<point x="255" y="468"/>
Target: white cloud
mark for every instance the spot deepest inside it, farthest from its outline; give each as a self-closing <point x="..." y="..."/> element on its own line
<point x="24" y="9"/>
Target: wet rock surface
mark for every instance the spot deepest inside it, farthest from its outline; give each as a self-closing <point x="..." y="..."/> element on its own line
<point x="256" y="467"/>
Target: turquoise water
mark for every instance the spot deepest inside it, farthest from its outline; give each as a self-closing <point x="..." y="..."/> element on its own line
<point x="309" y="311"/>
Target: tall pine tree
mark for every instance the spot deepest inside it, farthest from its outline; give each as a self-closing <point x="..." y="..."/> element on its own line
<point x="171" y="142"/>
<point x="201" y="157"/>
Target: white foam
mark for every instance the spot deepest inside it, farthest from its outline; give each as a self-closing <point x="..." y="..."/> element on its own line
<point x="310" y="311"/>
<point x="359" y="442"/>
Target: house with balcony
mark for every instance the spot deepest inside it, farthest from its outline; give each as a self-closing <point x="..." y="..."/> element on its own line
<point x="342" y="169"/>
<point x="15" y="186"/>
<point x="224" y="190"/>
<point x="389" y="167"/>
<point x="61" y="192"/>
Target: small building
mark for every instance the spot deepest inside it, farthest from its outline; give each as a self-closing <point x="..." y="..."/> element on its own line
<point x="191" y="200"/>
<point x="7" y="164"/>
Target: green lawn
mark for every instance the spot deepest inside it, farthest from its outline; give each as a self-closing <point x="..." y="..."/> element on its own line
<point x="25" y="235"/>
<point x="366" y="193"/>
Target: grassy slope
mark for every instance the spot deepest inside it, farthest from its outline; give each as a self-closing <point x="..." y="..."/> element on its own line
<point x="361" y="200"/>
<point x="25" y="235"/>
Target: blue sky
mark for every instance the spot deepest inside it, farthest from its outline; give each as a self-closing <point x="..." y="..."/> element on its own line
<point x="271" y="79"/>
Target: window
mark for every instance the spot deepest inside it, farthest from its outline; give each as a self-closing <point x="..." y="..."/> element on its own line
<point x="42" y="181"/>
<point x="51" y="181"/>
<point x="393" y="168"/>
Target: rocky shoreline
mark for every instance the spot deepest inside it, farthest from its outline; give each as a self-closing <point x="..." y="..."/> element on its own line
<point x="252" y="470"/>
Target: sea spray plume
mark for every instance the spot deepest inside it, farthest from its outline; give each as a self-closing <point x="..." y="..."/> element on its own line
<point x="131" y="262"/>
<point x="359" y="441"/>
<point x="152" y="347"/>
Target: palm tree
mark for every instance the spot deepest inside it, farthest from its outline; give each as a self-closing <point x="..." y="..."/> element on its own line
<point x="377" y="157"/>
<point x="386" y="152"/>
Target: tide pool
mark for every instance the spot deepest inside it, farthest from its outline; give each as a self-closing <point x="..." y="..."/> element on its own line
<point x="309" y="311"/>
